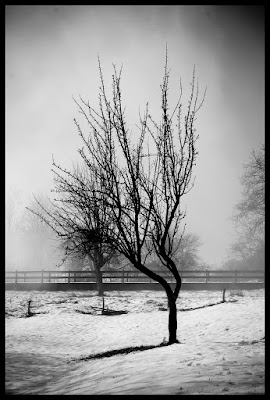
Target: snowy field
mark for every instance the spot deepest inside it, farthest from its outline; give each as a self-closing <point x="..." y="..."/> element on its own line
<point x="221" y="349"/>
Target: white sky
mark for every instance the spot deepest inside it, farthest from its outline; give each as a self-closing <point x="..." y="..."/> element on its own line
<point x="51" y="54"/>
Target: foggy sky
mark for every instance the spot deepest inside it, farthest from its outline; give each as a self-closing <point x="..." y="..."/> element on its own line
<point x="51" y="55"/>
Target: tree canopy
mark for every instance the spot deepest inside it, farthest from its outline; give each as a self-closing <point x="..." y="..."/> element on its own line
<point x="127" y="197"/>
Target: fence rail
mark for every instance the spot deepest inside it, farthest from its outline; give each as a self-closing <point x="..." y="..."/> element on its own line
<point x="69" y="277"/>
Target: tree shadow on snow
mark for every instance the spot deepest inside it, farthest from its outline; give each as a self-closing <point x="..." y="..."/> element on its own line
<point x="125" y="350"/>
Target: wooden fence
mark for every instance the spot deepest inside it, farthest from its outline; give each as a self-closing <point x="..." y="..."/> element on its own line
<point x="69" y="277"/>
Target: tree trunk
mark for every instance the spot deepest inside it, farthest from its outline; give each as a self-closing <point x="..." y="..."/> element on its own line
<point x="171" y="295"/>
<point x="99" y="282"/>
<point x="172" y="320"/>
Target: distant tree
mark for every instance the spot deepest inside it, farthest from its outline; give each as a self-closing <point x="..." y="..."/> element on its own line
<point x="81" y="262"/>
<point x="141" y="189"/>
<point x="233" y="263"/>
<point x="186" y="254"/>
<point x="249" y="213"/>
<point x="119" y="262"/>
<point x="76" y="262"/>
<point x="252" y="205"/>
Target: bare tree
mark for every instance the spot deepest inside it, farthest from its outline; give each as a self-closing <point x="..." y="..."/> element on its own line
<point x="186" y="255"/>
<point x="77" y="262"/>
<point x="252" y="205"/>
<point x="249" y="213"/>
<point x="126" y="200"/>
<point x="78" y="217"/>
<point x="141" y="189"/>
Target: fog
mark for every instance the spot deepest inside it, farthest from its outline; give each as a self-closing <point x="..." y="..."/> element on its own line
<point x="51" y="55"/>
<point x="30" y="244"/>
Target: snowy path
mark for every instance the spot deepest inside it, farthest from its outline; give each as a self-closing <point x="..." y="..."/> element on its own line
<point x="221" y="350"/>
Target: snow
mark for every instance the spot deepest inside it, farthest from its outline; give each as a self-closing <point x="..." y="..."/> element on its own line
<point x="221" y="349"/>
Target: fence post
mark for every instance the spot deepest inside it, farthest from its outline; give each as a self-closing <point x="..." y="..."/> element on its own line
<point x="16" y="277"/>
<point x="123" y="276"/>
<point x="68" y="276"/>
<point x="49" y="277"/>
<point x="24" y="276"/>
<point x="207" y="276"/>
<point x="235" y="277"/>
<point x="42" y="276"/>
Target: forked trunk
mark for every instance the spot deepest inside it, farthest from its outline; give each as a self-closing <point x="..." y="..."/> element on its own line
<point x="171" y="296"/>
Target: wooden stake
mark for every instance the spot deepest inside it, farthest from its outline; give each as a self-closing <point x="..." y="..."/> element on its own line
<point x="223" y="299"/>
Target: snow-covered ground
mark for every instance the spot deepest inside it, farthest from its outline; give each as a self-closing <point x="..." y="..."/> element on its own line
<point x="221" y="349"/>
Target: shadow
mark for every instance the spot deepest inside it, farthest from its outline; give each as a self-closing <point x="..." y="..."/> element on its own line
<point x="125" y="350"/>
<point x="208" y="305"/>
